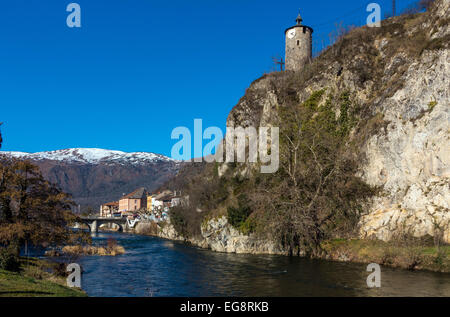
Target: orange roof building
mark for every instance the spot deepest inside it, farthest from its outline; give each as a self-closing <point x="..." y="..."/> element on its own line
<point x="134" y="201"/>
<point x="106" y="210"/>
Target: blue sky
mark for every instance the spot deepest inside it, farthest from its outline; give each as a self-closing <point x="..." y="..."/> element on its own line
<point x="137" y="69"/>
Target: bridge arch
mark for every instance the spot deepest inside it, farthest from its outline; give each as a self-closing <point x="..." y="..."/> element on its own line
<point x="94" y="223"/>
<point x="118" y="224"/>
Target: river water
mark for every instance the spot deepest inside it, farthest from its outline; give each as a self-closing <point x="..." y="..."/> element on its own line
<point x="157" y="267"/>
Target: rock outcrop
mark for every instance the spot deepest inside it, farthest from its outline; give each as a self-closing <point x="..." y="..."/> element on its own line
<point x="217" y="235"/>
<point x="410" y="160"/>
<point x="220" y="236"/>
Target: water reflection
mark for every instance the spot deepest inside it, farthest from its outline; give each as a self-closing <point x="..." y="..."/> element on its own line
<point x="155" y="267"/>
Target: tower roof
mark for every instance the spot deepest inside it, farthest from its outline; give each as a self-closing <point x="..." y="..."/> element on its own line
<point x="299" y="19"/>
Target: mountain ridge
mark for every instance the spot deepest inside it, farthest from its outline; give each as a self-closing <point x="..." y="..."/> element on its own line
<point x="88" y="155"/>
<point x="96" y="176"/>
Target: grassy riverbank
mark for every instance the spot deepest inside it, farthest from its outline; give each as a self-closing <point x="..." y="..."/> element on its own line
<point x="37" y="278"/>
<point x="405" y="255"/>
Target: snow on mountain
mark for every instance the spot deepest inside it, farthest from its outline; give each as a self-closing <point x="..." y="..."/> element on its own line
<point x="92" y="156"/>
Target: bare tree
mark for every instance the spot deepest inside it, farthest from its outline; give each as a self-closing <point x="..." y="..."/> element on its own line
<point x="278" y="61"/>
<point x="315" y="193"/>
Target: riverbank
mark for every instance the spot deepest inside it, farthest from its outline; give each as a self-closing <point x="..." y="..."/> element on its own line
<point x="219" y="236"/>
<point x="402" y="255"/>
<point x="37" y="278"/>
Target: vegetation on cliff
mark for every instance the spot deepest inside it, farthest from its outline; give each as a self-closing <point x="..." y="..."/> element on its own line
<point x="315" y="195"/>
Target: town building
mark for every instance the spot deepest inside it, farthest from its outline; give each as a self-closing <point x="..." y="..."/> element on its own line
<point x="108" y="209"/>
<point x="162" y="200"/>
<point x="134" y="201"/>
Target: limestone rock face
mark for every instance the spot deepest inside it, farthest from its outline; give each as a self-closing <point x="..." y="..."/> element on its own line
<point x="167" y="231"/>
<point x="220" y="236"/>
<point x="411" y="161"/>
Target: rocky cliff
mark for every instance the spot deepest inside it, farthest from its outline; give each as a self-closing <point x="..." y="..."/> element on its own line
<point x="410" y="160"/>
<point x="398" y="75"/>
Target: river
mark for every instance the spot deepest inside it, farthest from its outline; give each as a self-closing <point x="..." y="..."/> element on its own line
<point x="157" y="267"/>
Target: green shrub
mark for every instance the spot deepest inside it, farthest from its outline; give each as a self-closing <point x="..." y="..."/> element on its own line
<point x="248" y="226"/>
<point x="440" y="257"/>
<point x="186" y="221"/>
<point x="238" y="216"/>
<point x="178" y="221"/>
<point x="9" y="260"/>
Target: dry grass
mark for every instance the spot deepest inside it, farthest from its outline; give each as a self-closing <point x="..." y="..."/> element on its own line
<point x="411" y="256"/>
<point x="94" y="250"/>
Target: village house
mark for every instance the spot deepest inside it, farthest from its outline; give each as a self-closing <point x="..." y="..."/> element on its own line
<point x="107" y="210"/>
<point x="134" y="201"/>
<point x="162" y="200"/>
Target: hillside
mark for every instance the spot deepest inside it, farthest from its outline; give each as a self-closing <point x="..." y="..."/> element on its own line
<point x="96" y="176"/>
<point x="364" y="148"/>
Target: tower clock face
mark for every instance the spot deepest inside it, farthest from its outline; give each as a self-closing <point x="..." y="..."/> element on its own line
<point x="291" y="33"/>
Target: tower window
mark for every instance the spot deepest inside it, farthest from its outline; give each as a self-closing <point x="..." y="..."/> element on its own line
<point x="298" y="42"/>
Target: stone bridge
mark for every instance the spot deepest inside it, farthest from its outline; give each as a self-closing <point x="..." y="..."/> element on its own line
<point x="95" y="222"/>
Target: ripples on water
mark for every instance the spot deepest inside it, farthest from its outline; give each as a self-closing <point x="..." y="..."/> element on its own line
<point x="156" y="267"/>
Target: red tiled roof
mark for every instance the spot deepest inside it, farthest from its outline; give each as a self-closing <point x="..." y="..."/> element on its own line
<point x="113" y="203"/>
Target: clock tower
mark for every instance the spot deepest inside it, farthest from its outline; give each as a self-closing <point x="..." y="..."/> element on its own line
<point x="298" y="45"/>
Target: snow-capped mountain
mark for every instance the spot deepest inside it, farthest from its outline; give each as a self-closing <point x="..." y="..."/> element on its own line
<point x="97" y="176"/>
<point x="91" y="156"/>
